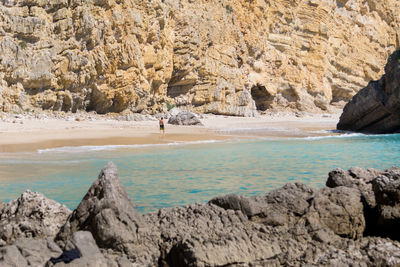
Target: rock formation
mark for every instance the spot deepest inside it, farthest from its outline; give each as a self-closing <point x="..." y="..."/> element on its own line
<point x="32" y="215"/>
<point x="380" y="196"/>
<point x="223" y="57"/>
<point x="375" y="109"/>
<point x="28" y="252"/>
<point x="185" y="118"/>
<point x="107" y="212"/>
<point x="291" y="226"/>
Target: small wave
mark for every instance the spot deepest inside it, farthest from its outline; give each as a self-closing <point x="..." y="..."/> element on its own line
<point x="347" y="135"/>
<point x="254" y="129"/>
<point x="344" y="134"/>
<point x="40" y="162"/>
<point x="258" y="131"/>
<point x="82" y="149"/>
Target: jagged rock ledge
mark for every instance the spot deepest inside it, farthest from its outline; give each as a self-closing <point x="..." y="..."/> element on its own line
<point x="353" y="221"/>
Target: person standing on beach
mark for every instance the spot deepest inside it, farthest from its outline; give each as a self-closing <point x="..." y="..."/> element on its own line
<point x="161" y="122"/>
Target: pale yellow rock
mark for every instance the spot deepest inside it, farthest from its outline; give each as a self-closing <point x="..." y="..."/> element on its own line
<point x="224" y="57"/>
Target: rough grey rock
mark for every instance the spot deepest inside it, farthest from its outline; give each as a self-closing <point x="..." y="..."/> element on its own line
<point x="339" y="209"/>
<point x="387" y="187"/>
<point x="380" y="193"/>
<point x="207" y="235"/>
<point x="29" y="252"/>
<point x="284" y="206"/>
<point x="368" y="251"/>
<point x="37" y="251"/>
<point x="87" y="262"/>
<point x="291" y="226"/>
<point x="107" y="212"/>
<point x="174" y="111"/>
<point x="185" y="118"/>
<point x="339" y="177"/>
<point x="381" y="252"/>
<point x="387" y="192"/>
<point x="375" y="109"/>
<point x="31" y="215"/>
<point x="85" y="243"/>
<point x="90" y="254"/>
<point x="355" y="177"/>
<point x="11" y="256"/>
<point x="247" y="206"/>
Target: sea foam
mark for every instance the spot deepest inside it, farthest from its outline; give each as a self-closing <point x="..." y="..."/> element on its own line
<point x="82" y="149"/>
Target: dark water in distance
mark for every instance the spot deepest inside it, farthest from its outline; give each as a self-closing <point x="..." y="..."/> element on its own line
<point x="157" y="176"/>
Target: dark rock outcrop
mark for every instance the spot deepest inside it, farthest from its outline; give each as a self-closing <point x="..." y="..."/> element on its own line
<point x="376" y="108"/>
<point x="295" y="225"/>
<point x="387" y="193"/>
<point x="107" y="212"/>
<point x="355" y="178"/>
<point x="338" y="211"/>
<point x="185" y="118"/>
<point x="31" y="215"/>
<point x="380" y="191"/>
<point x="28" y="252"/>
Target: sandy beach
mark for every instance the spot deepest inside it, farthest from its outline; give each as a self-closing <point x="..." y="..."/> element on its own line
<point x="19" y="133"/>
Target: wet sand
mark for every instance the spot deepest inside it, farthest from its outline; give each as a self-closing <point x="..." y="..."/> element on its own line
<point x="28" y="135"/>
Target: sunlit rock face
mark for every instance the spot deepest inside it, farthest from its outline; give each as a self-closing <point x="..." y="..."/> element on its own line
<point x="224" y="57"/>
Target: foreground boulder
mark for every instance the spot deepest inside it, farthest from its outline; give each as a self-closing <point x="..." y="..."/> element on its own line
<point x="387" y="193"/>
<point x="375" y="109"/>
<point x="380" y="192"/>
<point x="32" y="215"/>
<point x="356" y="178"/>
<point x="106" y="212"/>
<point x="295" y="225"/>
<point x="185" y="118"/>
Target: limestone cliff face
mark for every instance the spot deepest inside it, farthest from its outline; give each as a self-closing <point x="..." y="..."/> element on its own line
<point x="224" y="57"/>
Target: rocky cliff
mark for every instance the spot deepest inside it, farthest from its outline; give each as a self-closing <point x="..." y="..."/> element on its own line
<point x="375" y="109"/>
<point x="353" y="222"/>
<point x="224" y="57"/>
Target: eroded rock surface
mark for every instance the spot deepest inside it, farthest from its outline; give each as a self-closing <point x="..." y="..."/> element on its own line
<point x="380" y="191"/>
<point x="220" y="57"/>
<point x="32" y="215"/>
<point x="107" y="212"/>
<point x="375" y="109"/>
<point x="387" y="192"/>
<point x="185" y="118"/>
<point x="356" y="178"/>
<point x="291" y="226"/>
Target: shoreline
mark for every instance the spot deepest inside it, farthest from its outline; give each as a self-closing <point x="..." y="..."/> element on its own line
<point x="19" y="133"/>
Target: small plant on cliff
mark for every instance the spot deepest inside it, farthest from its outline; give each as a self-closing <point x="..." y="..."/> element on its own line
<point x="229" y="9"/>
<point x="22" y="44"/>
<point x="169" y="105"/>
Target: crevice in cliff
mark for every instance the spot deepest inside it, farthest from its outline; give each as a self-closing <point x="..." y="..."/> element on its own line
<point x="261" y="97"/>
<point x="177" y="90"/>
<point x="179" y="84"/>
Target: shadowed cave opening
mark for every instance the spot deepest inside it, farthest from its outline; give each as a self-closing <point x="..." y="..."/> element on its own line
<point x="261" y="97"/>
<point x="178" y="85"/>
<point x="177" y="90"/>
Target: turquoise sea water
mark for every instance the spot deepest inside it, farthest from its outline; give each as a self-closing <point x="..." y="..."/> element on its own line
<point x="157" y="176"/>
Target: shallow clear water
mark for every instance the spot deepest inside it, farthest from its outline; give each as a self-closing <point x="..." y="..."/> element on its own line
<point x="170" y="175"/>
